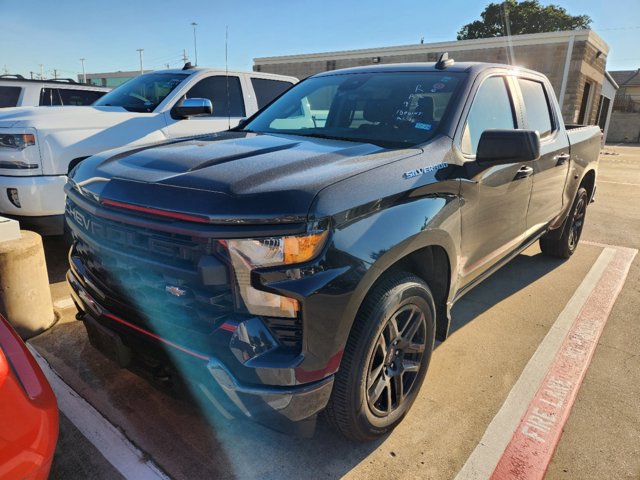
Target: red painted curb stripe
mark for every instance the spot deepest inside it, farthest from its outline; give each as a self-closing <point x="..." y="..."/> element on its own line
<point x="528" y="454"/>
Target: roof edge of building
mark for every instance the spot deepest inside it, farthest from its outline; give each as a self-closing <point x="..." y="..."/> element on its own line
<point x="451" y="46"/>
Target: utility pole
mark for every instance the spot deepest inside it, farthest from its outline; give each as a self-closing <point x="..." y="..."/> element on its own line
<point x="195" y="42"/>
<point x="140" y="51"/>
<point x="55" y="73"/>
<point x="84" y="75"/>
<point x="185" y="58"/>
<point x="41" y="71"/>
<point x="31" y="73"/>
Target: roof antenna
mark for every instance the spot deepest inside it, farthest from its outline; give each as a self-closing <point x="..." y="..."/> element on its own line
<point x="444" y="61"/>
<point x="226" y="72"/>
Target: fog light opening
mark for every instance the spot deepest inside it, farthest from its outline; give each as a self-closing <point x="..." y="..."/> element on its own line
<point x="14" y="198"/>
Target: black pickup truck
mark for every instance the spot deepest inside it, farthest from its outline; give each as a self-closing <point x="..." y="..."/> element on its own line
<point x="308" y="259"/>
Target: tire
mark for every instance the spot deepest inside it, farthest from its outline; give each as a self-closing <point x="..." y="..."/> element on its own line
<point x="567" y="242"/>
<point x="378" y="379"/>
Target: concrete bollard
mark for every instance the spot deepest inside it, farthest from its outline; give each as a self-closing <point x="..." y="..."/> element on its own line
<point x="25" y="298"/>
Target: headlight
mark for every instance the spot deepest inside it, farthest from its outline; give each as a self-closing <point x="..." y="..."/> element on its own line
<point x="247" y="255"/>
<point x="17" y="141"/>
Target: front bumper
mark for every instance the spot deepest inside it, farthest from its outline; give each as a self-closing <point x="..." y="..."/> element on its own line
<point x="291" y="409"/>
<point x="42" y="201"/>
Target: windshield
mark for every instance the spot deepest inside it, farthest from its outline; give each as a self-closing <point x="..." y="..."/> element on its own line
<point x="391" y="109"/>
<point x="143" y="93"/>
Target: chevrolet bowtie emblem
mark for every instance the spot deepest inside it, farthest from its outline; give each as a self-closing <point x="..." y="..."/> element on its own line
<point x="175" y="291"/>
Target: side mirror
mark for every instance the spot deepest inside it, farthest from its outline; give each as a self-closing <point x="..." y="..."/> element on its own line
<point x="242" y="122"/>
<point x="193" y="107"/>
<point x="498" y="147"/>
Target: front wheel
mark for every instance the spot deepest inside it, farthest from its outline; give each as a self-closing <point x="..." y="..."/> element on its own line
<point x="566" y="244"/>
<point x="385" y="360"/>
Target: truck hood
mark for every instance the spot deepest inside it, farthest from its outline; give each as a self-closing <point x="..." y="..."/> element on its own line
<point x="231" y="177"/>
<point x="80" y="118"/>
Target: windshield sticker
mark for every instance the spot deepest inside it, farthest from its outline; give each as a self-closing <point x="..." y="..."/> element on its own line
<point x="423" y="126"/>
<point x="423" y="170"/>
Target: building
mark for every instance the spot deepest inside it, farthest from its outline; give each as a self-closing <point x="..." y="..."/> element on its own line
<point x="605" y="107"/>
<point x="110" y="79"/>
<point x="625" y="118"/>
<point x="574" y="61"/>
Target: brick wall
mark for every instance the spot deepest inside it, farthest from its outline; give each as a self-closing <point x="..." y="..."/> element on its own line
<point x="548" y="58"/>
<point x="624" y="127"/>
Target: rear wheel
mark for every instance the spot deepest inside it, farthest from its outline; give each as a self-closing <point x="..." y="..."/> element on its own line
<point x="385" y="360"/>
<point x="566" y="244"/>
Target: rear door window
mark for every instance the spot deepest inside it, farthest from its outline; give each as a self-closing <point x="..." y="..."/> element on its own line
<point x="537" y="106"/>
<point x="9" y="96"/>
<point x="79" y="97"/>
<point x="226" y="96"/>
<point x="267" y="89"/>
<point x="491" y="109"/>
<point x="50" y="97"/>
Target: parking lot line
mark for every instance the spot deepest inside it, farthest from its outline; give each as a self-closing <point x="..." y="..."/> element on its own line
<point x="620" y="183"/>
<point x="522" y="437"/>
<point x="63" y="303"/>
<point x="112" y="444"/>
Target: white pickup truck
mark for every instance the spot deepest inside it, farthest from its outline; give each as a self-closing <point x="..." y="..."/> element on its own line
<point x="40" y="146"/>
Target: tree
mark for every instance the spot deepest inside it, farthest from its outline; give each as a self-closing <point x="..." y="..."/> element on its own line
<point x="515" y="18"/>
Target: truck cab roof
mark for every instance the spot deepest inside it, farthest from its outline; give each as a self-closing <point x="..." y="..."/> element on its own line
<point x="466" y="67"/>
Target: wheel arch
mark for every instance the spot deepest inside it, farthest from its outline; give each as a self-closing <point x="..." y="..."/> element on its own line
<point x="434" y="262"/>
<point x="589" y="182"/>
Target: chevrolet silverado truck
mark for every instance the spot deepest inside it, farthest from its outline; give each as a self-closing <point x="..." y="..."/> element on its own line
<point x="39" y="146"/>
<point x="308" y="259"/>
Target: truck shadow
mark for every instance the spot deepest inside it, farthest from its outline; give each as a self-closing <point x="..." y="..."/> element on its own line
<point x="518" y="274"/>
<point x="56" y="250"/>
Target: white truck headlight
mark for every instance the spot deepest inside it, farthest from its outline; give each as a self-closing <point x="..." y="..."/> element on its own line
<point x="249" y="254"/>
<point x="16" y="154"/>
<point x="17" y="141"/>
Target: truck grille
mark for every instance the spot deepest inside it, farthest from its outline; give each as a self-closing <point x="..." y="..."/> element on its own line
<point x="141" y="268"/>
<point x="156" y="275"/>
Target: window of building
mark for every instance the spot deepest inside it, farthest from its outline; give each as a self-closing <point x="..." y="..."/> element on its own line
<point x="537" y="106"/>
<point x="267" y="89"/>
<point x="584" y="104"/>
<point x="491" y="109"/>
<point x="9" y="96"/>
<point x="225" y="94"/>
<point x="603" y="111"/>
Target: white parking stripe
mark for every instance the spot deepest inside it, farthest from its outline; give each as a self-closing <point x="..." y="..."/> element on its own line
<point x="109" y="441"/>
<point x="620" y="183"/>
<point x="63" y="303"/>
<point x="484" y="458"/>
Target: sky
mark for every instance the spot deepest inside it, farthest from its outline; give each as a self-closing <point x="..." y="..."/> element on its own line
<point x="107" y="33"/>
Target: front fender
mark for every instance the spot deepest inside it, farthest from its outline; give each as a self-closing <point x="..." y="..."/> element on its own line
<point x="362" y="248"/>
<point x="381" y="240"/>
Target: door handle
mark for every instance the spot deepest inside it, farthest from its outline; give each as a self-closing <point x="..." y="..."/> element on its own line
<point x="523" y="172"/>
<point x="562" y="159"/>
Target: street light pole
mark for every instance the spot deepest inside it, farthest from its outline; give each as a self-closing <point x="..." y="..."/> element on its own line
<point x="41" y="71"/>
<point x="195" y="42"/>
<point x="84" y="75"/>
<point x="140" y="51"/>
